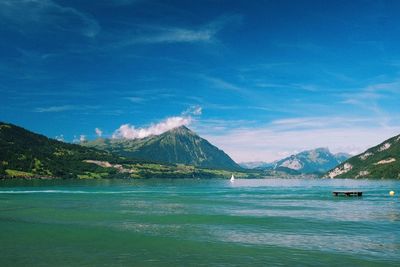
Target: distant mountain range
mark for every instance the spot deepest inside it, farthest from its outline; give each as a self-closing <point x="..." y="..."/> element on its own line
<point x="316" y="161"/>
<point x="256" y="164"/>
<point x="381" y="161"/>
<point x="178" y="153"/>
<point x="312" y="161"/>
<point x="179" y="145"/>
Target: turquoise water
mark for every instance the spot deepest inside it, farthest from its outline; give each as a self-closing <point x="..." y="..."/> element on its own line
<point x="271" y="222"/>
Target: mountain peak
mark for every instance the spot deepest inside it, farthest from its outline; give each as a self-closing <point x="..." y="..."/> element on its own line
<point x="177" y="146"/>
<point x="317" y="160"/>
<point x="323" y="149"/>
<point x="181" y="130"/>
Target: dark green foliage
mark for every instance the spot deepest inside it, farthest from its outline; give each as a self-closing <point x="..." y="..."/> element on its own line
<point x="179" y="145"/>
<point x="370" y="164"/>
<point x="2" y="170"/>
<point x="21" y="150"/>
<point x="153" y="170"/>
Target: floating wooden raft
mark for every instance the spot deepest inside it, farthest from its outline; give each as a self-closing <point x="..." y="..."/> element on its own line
<point x="347" y="193"/>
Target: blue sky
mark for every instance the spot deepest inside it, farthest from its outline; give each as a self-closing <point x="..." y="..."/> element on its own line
<point x="260" y="79"/>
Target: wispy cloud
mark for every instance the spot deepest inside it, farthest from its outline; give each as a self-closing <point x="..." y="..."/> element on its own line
<point x="318" y="122"/>
<point x="55" y="109"/>
<point x="372" y="92"/>
<point x="135" y="99"/>
<point x="369" y="97"/>
<point x="47" y="15"/>
<point x="290" y="86"/>
<point x="221" y="126"/>
<point x="175" y="35"/>
<point x="154" y="34"/>
<point x="393" y="87"/>
<point x="144" y="96"/>
<point x="63" y="108"/>
<point x="219" y="83"/>
<point x="193" y="110"/>
<point x="119" y="2"/>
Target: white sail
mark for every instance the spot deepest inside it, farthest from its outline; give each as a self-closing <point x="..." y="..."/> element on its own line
<point x="232" y="178"/>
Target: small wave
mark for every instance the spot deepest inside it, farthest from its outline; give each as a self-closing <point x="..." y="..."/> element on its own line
<point x="65" y="192"/>
<point x="99" y="192"/>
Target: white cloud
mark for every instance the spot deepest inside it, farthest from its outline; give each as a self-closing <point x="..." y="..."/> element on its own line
<point x="128" y="131"/>
<point x="284" y="137"/>
<point x="98" y="132"/>
<point x="80" y="139"/>
<point x="60" y="137"/>
<point x="266" y="145"/>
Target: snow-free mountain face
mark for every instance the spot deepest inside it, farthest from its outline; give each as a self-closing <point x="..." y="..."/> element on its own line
<point x="311" y="161"/>
<point x="24" y="154"/>
<point x="381" y="161"/>
<point x="179" y="145"/>
<point x="255" y="164"/>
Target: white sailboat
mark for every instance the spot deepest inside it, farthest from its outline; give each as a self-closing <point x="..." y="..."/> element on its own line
<point x="232" y="178"/>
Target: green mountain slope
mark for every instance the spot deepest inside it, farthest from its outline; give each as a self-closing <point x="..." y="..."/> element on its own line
<point x="179" y="145"/>
<point x="314" y="161"/>
<point x="381" y="161"/>
<point x="26" y="154"/>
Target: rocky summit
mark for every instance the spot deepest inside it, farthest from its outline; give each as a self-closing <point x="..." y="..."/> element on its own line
<point x="314" y="161"/>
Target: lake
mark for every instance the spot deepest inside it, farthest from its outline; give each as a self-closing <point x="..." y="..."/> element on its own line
<point x="262" y="222"/>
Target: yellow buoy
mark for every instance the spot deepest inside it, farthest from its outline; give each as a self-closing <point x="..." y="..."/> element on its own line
<point x="391" y="193"/>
